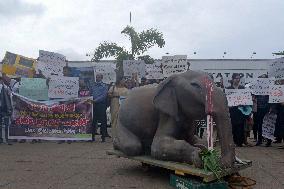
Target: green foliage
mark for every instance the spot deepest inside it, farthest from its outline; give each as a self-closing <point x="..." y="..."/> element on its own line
<point x="140" y="43"/>
<point x="279" y="53"/>
<point x="211" y="162"/>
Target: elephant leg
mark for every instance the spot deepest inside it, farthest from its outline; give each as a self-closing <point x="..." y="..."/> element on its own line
<point x="166" y="147"/>
<point x="192" y="138"/>
<point x="126" y="141"/>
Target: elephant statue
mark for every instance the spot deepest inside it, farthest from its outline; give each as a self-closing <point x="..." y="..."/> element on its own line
<point x="159" y="120"/>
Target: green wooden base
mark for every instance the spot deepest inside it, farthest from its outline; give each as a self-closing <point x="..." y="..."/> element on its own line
<point x="183" y="168"/>
<point x="191" y="183"/>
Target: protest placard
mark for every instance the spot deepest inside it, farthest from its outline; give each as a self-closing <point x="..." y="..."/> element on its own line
<point x="260" y="86"/>
<point x="85" y="74"/>
<point x="18" y="65"/>
<point x="154" y="71"/>
<point x="276" y="68"/>
<point x="51" y="120"/>
<point x="276" y="93"/>
<point x="174" y="64"/>
<point x="268" y="125"/>
<point x="34" y="88"/>
<point x="238" y="97"/>
<point x="107" y="69"/>
<point x="63" y="87"/>
<point x="134" y="66"/>
<point x="51" y="63"/>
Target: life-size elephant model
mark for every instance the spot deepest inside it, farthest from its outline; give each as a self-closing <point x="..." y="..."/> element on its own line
<point x="159" y="120"/>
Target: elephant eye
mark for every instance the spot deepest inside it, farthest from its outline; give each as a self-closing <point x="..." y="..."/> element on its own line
<point x="196" y="85"/>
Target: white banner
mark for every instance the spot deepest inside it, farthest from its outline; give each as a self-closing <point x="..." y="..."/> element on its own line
<point x="268" y="126"/>
<point x="174" y="64"/>
<point x="51" y="63"/>
<point x="63" y="87"/>
<point x="154" y="71"/>
<point x="134" y="66"/>
<point x="260" y="86"/>
<point x="276" y="94"/>
<point x="238" y="97"/>
<point x="107" y="70"/>
<point x="276" y="68"/>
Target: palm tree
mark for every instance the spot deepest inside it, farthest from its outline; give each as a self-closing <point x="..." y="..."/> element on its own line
<point x="140" y="43"/>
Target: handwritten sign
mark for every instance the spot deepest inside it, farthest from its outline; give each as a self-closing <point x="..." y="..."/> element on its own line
<point x="276" y="68"/>
<point x="107" y="70"/>
<point x="238" y="97"/>
<point x="51" y="120"/>
<point x="260" y="86"/>
<point x="154" y="71"/>
<point x="51" y="63"/>
<point x="276" y="94"/>
<point x="63" y="87"/>
<point x="268" y="125"/>
<point x="134" y="66"/>
<point x="34" y="88"/>
<point x="174" y="64"/>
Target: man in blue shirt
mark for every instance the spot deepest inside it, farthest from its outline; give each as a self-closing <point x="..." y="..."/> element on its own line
<point x="99" y="93"/>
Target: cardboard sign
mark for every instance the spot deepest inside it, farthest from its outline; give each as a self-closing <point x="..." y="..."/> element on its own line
<point x="107" y="70"/>
<point x="174" y="64"/>
<point x="51" y="120"/>
<point x="154" y="71"/>
<point x="276" y="93"/>
<point x="134" y="66"/>
<point x="276" y="68"/>
<point x="34" y="88"/>
<point x="238" y="97"/>
<point x="51" y="63"/>
<point x="63" y="87"/>
<point x="268" y="126"/>
<point x="260" y="86"/>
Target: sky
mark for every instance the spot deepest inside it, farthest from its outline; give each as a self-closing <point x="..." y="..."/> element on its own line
<point x="207" y="27"/>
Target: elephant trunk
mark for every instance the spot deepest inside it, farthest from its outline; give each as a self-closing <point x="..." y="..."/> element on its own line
<point x="221" y="116"/>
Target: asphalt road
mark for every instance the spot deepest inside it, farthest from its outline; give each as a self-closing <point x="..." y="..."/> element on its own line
<point x="86" y="165"/>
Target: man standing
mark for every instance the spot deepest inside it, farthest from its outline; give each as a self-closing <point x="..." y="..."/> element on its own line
<point x="100" y="91"/>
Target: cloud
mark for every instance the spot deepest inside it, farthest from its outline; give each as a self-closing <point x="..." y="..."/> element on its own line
<point x="15" y="8"/>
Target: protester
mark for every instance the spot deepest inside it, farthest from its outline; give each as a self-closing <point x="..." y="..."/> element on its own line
<point x="5" y="111"/>
<point x="237" y="117"/>
<point x="262" y="109"/>
<point x="116" y="92"/>
<point x="100" y="91"/>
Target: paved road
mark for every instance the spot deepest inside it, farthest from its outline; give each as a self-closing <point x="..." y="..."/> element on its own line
<point x="86" y="165"/>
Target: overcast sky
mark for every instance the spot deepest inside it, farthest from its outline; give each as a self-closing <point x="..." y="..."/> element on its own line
<point x="207" y="27"/>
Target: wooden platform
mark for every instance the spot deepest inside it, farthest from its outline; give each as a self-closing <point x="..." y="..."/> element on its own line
<point x="183" y="168"/>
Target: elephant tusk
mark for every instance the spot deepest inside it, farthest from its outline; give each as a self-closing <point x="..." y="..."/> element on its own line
<point x="238" y="160"/>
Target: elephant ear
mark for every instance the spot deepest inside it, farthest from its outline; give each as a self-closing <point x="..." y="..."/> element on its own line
<point x="165" y="99"/>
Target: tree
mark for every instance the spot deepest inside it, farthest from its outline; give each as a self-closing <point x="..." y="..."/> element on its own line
<point x="140" y="43"/>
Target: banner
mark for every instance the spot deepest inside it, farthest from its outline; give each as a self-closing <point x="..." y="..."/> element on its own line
<point x="260" y="86"/>
<point x="63" y="87"/>
<point x="17" y="65"/>
<point x="34" y="88"/>
<point x="276" y="68"/>
<point x="154" y="71"/>
<point x="174" y="64"/>
<point x="268" y="126"/>
<point x="51" y="120"/>
<point x="107" y="69"/>
<point x="134" y="66"/>
<point x="276" y="94"/>
<point x="238" y="97"/>
<point x="51" y="63"/>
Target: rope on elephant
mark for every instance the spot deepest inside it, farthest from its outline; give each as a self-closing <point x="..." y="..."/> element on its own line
<point x="237" y="181"/>
<point x="209" y="109"/>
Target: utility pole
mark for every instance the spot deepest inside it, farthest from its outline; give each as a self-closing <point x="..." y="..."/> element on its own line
<point x="130" y="17"/>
